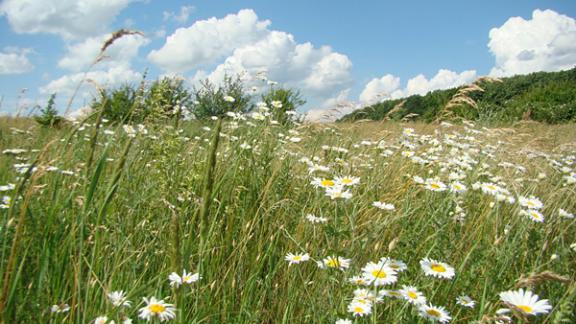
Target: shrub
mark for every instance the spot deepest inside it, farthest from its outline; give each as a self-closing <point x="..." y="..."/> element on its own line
<point x="282" y="102"/>
<point x="209" y="99"/>
<point x="49" y="115"/>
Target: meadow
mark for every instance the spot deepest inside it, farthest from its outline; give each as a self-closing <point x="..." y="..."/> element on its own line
<point x="244" y="221"/>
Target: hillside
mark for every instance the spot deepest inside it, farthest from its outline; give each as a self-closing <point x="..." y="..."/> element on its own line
<point x="544" y="96"/>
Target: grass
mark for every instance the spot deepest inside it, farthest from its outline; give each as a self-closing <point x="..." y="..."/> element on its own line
<point x="231" y="208"/>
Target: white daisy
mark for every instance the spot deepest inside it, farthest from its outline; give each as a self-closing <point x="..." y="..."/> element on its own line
<point x="465" y="301"/>
<point x="383" y="206"/>
<point x="157" y="308"/>
<point x="334" y="263"/>
<point x="379" y="274"/>
<point x="526" y="301"/>
<point x="117" y="298"/>
<point x="530" y="202"/>
<point x="296" y="258"/>
<point x="435" y="313"/>
<point x="360" y="309"/>
<point x="437" y="269"/>
<point x="412" y="295"/>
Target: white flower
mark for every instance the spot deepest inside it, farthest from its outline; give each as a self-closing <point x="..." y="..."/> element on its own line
<point x="117" y="298"/>
<point x="296" y="258"/>
<point x="458" y="187"/>
<point x="379" y="274"/>
<point x="61" y="308"/>
<point x="157" y="308"/>
<point x="465" y="301"/>
<point x="338" y="192"/>
<point x="531" y="202"/>
<point x="526" y="301"/>
<point x="8" y="187"/>
<point x="102" y="320"/>
<point x="187" y="278"/>
<point x="565" y="214"/>
<point x="412" y="295"/>
<point x="383" y="206"/>
<point x="396" y="265"/>
<point x="434" y="313"/>
<point x="534" y="215"/>
<point x="334" y="263"/>
<point x="437" y="269"/>
<point x="434" y="185"/>
<point x="313" y="219"/>
<point x="343" y="321"/>
<point x="229" y="99"/>
<point x="276" y="104"/>
<point x="360" y="309"/>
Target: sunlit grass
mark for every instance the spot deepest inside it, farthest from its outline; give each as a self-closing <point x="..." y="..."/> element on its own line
<point x="138" y="211"/>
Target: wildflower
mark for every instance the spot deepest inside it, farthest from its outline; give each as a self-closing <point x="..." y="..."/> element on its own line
<point x="102" y="320"/>
<point x="157" y="308"/>
<point x="347" y="181"/>
<point x="465" y="301"/>
<point x="360" y="309"/>
<point x="324" y="183"/>
<point x="396" y="265"/>
<point x="365" y="296"/>
<point x="130" y="131"/>
<point x="412" y="295"/>
<point x="526" y="302"/>
<point x="358" y="280"/>
<point x="437" y="269"/>
<point x="383" y="206"/>
<point x="457" y="187"/>
<point x="573" y="246"/>
<point x="534" y="215"/>
<point x="187" y="277"/>
<point x="390" y="293"/>
<point x="335" y="263"/>
<point x="435" y="313"/>
<point x="296" y="258"/>
<point x="490" y="188"/>
<point x="61" y="308"/>
<point x="379" y="274"/>
<point x="338" y="192"/>
<point x="435" y="185"/>
<point x="530" y="203"/>
<point x="295" y="139"/>
<point x="276" y="104"/>
<point x="117" y="298"/>
<point x="565" y="214"/>
<point x="229" y="99"/>
<point x="313" y="219"/>
<point x="343" y="321"/>
<point x="6" y="200"/>
<point x="8" y="187"/>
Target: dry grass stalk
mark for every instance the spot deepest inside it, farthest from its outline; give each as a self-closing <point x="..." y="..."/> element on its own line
<point x="394" y="110"/>
<point x="114" y="37"/>
<point x="540" y="277"/>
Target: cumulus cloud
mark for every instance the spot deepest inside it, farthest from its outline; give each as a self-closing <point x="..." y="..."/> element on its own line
<point x="380" y="88"/>
<point x="388" y="87"/>
<point x="15" y="61"/>
<point x="80" y="55"/>
<point x="208" y="41"/>
<point x="181" y="16"/>
<point x="67" y="18"/>
<point x="112" y="77"/>
<point x="546" y="42"/>
<point x="246" y="46"/>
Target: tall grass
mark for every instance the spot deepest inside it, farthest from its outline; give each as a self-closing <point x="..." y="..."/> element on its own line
<point x="231" y="208"/>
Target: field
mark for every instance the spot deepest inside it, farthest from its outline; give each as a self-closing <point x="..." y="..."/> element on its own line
<point x="286" y="224"/>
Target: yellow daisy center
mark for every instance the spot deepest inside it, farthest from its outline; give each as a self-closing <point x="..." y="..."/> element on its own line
<point x="332" y="263"/>
<point x="433" y="313"/>
<point x="346" y="181"/>
<point x="457" y="187"/>
<point x="327" y="183"/>
<point x="358" y="309"/>
<point x="379" y="274"/>
<point x="438" y="268"/>
<point x="186" y="278"/>
<point x="491" y="187"/>
<point x="526" y="309"/>
<point x="297" y="258"/>
<point x="156" y="308"/>
<point x="435" y="186"/>
<point x="535" y="215"/>
<point x="412" y="295"/>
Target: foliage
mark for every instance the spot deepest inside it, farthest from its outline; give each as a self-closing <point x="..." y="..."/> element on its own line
<point x="209" y="99"/>
<point x="168" y="97"/>
<point x="544" y="96"/>
<point x="117" y="103"/>
<point x="49" y="115"/>
<point x="282" y="103"/>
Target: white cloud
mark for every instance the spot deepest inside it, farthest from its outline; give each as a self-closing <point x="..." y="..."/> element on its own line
<point x="378" y="89"/>
<point x="547" y="42"/>
<point x="208" y="41"/>
<point x="67" y="18"/>
<point x="15" y="61"/>
<point x="318" y="71"/>
<point x="110" y="78"/>
<point x="180" y="17"/>
<point x="80" y="55"/>
<point x="388" y="87"/>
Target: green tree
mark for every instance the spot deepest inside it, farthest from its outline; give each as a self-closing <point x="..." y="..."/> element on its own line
<point x="281" y="102"/>
<point x="49" y="115"/>
<point x="210" y="99"/>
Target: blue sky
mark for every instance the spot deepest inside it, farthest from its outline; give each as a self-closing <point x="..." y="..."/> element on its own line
<point x="335" y="52"/>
